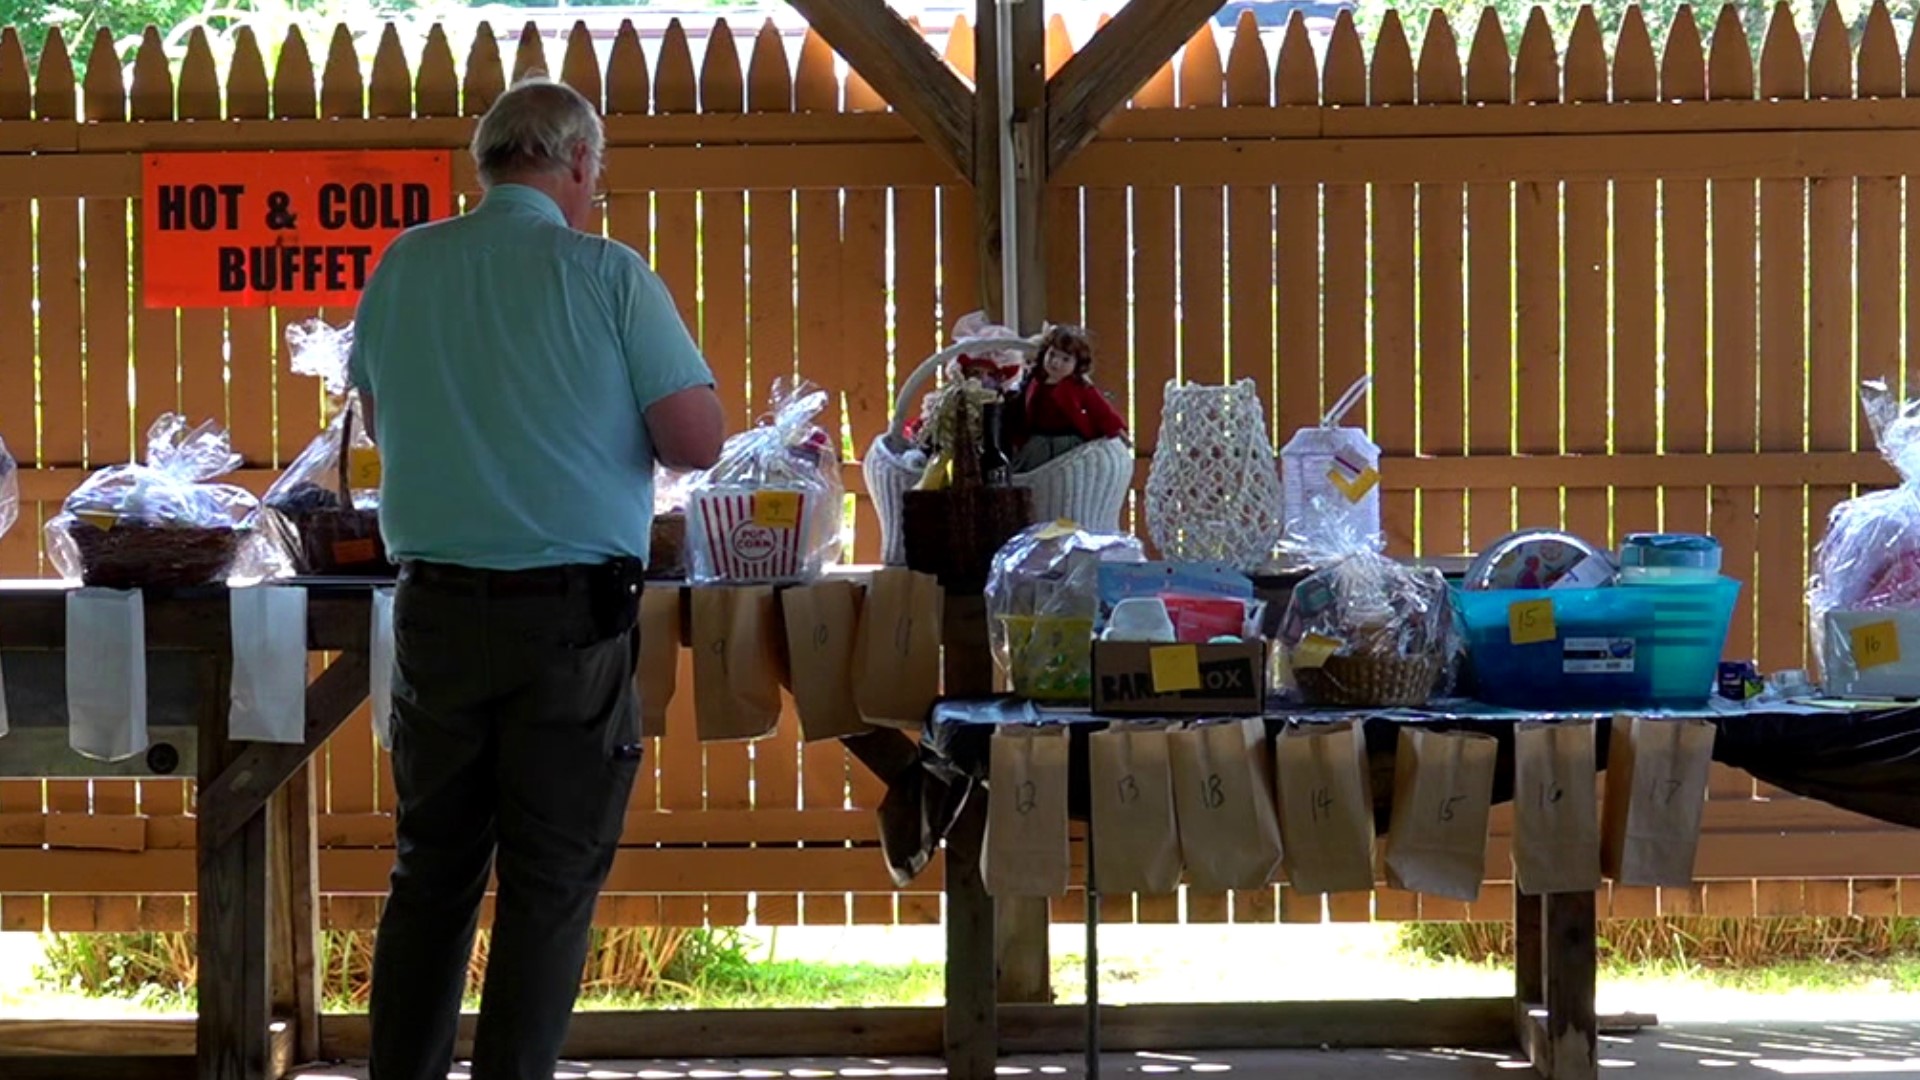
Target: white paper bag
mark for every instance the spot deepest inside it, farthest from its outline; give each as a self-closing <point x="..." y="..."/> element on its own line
<point x="381" y="660"/>
<point x="269" y="700"/>
<point x="106" y="674"/>
<point x="3" y="698"/>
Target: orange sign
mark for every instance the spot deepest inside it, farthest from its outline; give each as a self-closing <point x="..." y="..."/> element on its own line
<point x="300" y="228"/>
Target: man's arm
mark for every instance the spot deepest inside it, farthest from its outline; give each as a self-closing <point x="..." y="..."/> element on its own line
<point x="687" y="428"/>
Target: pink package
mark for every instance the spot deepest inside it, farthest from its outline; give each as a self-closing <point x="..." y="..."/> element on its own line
<point x="1199" y="619"/>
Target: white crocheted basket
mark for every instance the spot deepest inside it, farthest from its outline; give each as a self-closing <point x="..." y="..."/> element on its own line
<point x="1087" y="485"/>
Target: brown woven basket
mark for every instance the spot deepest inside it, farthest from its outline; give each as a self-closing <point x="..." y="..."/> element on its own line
<point x="339" y="541"/>
<point x="142" y="557"/>
<point x="954" y="533"/>
<point x="667" y="555"/>
<point x="1371" y="681"/>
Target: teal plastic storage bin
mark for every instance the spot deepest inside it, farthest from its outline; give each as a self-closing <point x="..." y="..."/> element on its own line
<point x="1627" y="647"/>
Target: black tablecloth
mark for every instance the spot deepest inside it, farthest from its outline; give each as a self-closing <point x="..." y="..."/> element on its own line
<point x="1863" y="760"/>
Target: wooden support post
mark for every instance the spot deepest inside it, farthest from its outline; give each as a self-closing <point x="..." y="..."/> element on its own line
<point x="972" y="1017"/>
<point x="1554" y="982"/>
<point x="232" y="1030"/>
<point x="1027" y="38"/>
<point x="1115" y="64"/>
<point x="296" y="912"/>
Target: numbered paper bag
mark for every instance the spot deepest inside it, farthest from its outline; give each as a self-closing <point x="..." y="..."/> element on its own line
<point x="1136" y="836"/>
<point x="381" y="658"/>
<point x="736" y="664"/>
<point x="1556" y="819"/>
<point x="896" y="665"/>
<point x="822" y="621"/>
<point x="661" y="637"/>
<point x="268" y="695"/>
<point x="1326" y="806"/>
<point x="1229" y="836"/>
<point x="1656" y="791"/>
<point x="1026" y="843"/>
<point x="106" y="674"/>
<point x="1442" y="796"/>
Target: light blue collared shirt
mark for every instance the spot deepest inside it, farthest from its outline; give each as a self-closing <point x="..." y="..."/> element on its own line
<point x="510" y="359"/>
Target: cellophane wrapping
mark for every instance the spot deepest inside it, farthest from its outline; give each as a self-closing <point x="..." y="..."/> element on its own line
<point x="1364" y="629"/>
<point x="770" y="508"/>
<point x="9" y="490"/>
<point x="165" y="521"/>
<point x="1869" y="559"/>
<point x="324" y="510"/>
<point x="1045" y="587"/>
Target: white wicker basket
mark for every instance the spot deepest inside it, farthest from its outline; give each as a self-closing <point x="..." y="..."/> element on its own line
<point x="1087" y="485"/>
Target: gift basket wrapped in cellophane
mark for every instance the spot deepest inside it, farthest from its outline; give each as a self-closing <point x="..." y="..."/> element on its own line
<point x="1043" y="599"/>
<point x="325" y="509"/>
<point x="9" y="490"/>
<point x="667" y="550"/>
<point x="1362" y="629"/>
<point x="769" y="510"/>
<point x="1864" y="593"/>
<point x="164" y="523"/>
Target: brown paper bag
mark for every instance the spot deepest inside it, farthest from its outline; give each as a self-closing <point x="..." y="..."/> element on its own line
<point x="1025" y="853"/>
<point x="896" y="657"/>
<point x="1442" y="796"/>
<point x="736" y="665"/>
<point x="1556" y="808"/>
<point x="661" y="639"/>
<point x="1229" y="837"/>
<point x="822" y="620"/>
<point x="1656" y="792"/>
<point x="1136" y="836"/>
<point x="1326" y="806"/>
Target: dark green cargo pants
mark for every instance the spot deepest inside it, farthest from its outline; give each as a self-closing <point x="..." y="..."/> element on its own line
<point x="515" y="745"/>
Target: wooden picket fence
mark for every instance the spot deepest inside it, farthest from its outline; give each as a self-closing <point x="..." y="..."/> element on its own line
<point x="1605" y="283"/>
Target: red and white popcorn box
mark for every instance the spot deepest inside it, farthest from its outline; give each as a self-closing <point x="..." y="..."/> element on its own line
<point x="744" y="534"/>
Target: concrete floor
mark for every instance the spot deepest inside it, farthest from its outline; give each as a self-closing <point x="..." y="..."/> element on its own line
<point x="1677" y="1052"/>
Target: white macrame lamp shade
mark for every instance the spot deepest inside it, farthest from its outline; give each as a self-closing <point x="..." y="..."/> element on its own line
<point x="1213" y="494"/>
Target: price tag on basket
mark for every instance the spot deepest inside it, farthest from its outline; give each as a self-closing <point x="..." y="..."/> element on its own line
<point x="1176" y="668"/>
<point x="776" y="509"/>
<point x="1875" y="645"/>
<point x="363" y="468"/>
<point x="1314" y="651"/>
<point x="1530" y="622"/>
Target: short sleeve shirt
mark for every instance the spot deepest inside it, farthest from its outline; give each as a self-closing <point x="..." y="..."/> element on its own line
<point x="511" y="359"/>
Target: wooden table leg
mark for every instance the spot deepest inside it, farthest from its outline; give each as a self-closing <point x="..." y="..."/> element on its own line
<point x="1554" y="981"/>
<point x="233" y="1027"/>
<point x="972" y="1036"/>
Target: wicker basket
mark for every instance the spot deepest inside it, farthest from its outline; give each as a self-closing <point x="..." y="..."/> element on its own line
<point x="954" y="533"/>
<point x="337" y="540"/>
<point x="1371" y="681"/>
<point x="129" y="556"/>
<point x="1087" y="485"/>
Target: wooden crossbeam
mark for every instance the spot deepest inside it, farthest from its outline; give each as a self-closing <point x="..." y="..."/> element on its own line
<point x="899" y="64"/>
<point x="242" y="789"/>
<point x="1116" y="63"/>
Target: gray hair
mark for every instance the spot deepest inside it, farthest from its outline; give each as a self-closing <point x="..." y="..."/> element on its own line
<point x="536" y="126"/>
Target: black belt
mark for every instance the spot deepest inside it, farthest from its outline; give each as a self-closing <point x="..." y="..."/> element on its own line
<point x="542" y="581"/>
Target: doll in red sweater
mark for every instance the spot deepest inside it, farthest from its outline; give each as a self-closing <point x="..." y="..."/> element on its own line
<point x="1057" y="407"/>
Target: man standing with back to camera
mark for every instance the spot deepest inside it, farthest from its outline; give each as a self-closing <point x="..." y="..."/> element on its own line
<point x="522" y="378"/>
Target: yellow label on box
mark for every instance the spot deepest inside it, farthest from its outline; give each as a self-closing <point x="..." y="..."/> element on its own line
<point x="99" y="519"/>
<point x="1314" y="651"/>
<point x="363" y="468"/>
<point x="1176" y="668"/>
<point x="777" y="509"/>
<point x="1356" y="488"/>
<point x="1875" y="645"/>
<point x="1531" y="622"/>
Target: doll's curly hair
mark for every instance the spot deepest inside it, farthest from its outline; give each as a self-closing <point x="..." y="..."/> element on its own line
<point x="1072" y="340"/>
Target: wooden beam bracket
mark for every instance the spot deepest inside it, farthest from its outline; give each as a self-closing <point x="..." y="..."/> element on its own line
<point x="899" y="64"/>
<point x="1115" y="64"/>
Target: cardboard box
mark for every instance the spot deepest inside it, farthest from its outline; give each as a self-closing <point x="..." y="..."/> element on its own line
<point x="1894" y="669"/>
<point x="1132" y="678"/>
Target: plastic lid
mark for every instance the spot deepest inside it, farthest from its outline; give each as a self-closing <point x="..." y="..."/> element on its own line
<point x="1671" y="551"/>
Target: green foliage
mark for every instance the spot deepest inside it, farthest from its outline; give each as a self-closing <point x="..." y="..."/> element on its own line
<point x="156" y="970"/>
<point x="1692" y="942"/>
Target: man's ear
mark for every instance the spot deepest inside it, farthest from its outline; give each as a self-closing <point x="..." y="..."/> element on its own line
<point x="581" y="159"/>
